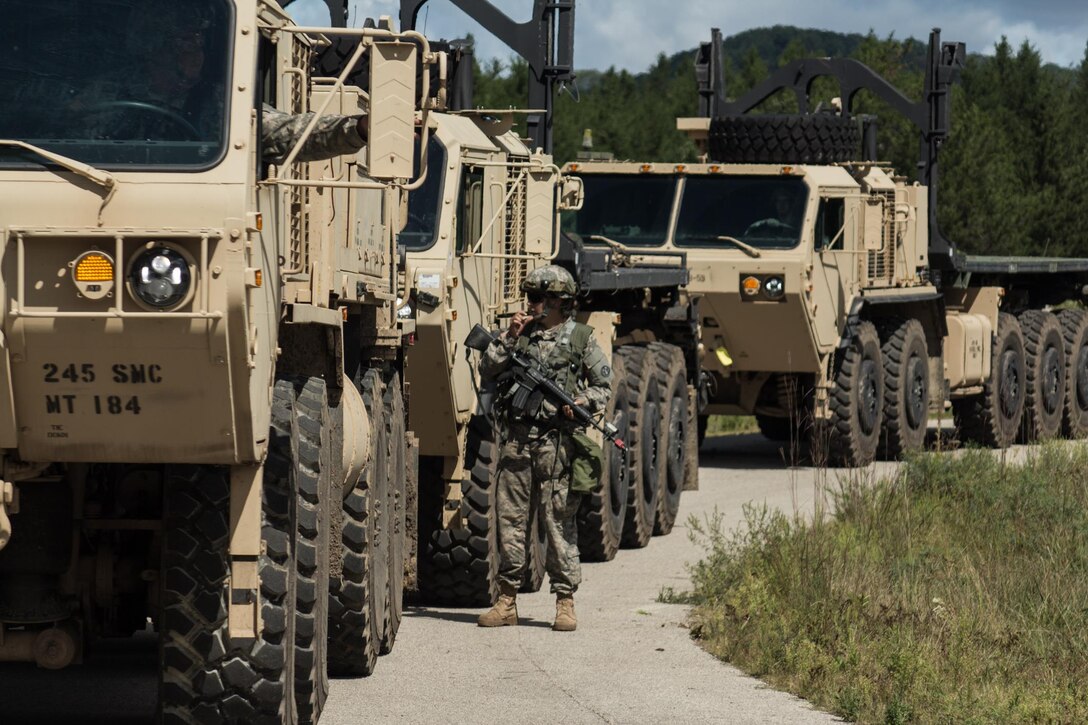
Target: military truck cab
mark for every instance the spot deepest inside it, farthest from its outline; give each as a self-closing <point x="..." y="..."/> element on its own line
<point x="485" y="216"/>
<point x="780" y="257"/>
<point x="199" y="353"/>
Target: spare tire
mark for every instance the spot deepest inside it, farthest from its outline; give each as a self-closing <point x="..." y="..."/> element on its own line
<point x="779" y="139"/>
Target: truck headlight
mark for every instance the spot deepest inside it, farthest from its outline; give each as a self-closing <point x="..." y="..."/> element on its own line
<point x="160" y="277"/>
<point x="774" y="287"/>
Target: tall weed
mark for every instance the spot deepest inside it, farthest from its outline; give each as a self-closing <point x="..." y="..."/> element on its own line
<point x="954" y="592"/>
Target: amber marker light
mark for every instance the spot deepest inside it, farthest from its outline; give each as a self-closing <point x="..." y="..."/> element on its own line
<point x="750" y="285"/>
<point x="646" y="168"/>
<point x="680" y="168"/>
<point x="787" y="170"/>
<point x="93" y="274"/>
<point x="574" y="167"/>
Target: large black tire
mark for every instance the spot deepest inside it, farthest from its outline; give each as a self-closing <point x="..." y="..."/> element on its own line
<point x="992" y="418"/>
<point x="313" y="485"/>
<point x="673" y="406"/>
<point x="536" y="551"/>
<point x="644" y="454"/>
<point x="779" y="430"/>
<point x="396" y="509"/>
<point x="1044" y="355"/>
<point x="857" y="400"/>
<point x="784" y="139"/>
<point x="206" y="675"/>
<point x="358" y="597"/>
<point x="1075" y="333"/>
<point x="906" y="390"/>
<point x="459" y="567"/>
<point x="602" y="513"/>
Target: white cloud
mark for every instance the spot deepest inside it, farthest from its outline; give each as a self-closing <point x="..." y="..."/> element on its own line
<point x="631" y="33"/>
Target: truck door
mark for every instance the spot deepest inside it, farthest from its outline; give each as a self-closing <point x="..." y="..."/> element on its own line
<point x="835" y="259"/>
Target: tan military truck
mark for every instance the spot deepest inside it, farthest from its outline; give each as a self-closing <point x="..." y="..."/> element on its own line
<point x="474" y="230"/>
<point x="827" y="294"/>
<point x="485" y="216"/>
<point x="201" y="416"/>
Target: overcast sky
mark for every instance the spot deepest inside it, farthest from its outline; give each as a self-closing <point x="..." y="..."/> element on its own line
<point x="630" y="34"/>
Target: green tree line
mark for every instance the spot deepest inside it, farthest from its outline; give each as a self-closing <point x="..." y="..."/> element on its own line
<point x="1013" y="173"/>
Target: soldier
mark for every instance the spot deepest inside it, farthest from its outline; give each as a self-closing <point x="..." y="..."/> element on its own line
<point x="783" y="217"/>
<point x="534" y="469"/>
<point x="174" y="96"/>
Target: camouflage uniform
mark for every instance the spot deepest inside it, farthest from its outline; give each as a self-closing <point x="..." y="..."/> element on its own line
<point x="534" y="469"/>
<point x="332" y="136"/>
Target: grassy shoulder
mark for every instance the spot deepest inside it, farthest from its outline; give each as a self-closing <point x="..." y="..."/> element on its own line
<point x="726" y="425"/>
<point x="956" y="592"/>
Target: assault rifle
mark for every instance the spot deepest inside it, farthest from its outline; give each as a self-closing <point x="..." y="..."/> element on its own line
<point x="532" y="385"/>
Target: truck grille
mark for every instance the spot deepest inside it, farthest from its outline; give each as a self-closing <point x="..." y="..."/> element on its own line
<point x="881" y="263"/>
<point x="514" y="265"/>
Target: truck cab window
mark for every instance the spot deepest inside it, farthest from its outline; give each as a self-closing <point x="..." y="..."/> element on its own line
<point x="629" y="209"/>
<point x="763" y="211"/>
<point x="830" y="219"/>
<point x="470" y="208"/>
<point x="425" y="202"/>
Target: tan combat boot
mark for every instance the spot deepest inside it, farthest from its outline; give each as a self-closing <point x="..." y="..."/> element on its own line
<point x="565" y="621"/>
<point x="505" y="611"/>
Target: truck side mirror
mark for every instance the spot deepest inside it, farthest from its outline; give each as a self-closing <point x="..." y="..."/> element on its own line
<point x="392" y="115"/>
<point x="572" y="194"/>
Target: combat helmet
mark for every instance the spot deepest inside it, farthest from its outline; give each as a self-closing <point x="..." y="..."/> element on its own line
<point x="551" y="280"/>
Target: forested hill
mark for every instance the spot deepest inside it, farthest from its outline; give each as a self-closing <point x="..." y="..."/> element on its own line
<point x="771" y="45"/>
<point x="1014" y="174"/>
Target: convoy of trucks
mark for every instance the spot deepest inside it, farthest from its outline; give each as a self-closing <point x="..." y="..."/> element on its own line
<point x="831" y="307"/>
<point x="237" y="403"/>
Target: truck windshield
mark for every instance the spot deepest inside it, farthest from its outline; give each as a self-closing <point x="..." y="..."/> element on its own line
<point x="115" y="83"/>
<point x="629" y="209"/>
<point x="762" y="211"/>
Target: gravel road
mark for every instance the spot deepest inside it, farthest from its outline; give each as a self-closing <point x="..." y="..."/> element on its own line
<point x="631" y="660"/>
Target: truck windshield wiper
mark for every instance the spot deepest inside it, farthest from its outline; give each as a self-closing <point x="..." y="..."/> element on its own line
<point x="103" y="178"/>
<point x="747" y="248"/>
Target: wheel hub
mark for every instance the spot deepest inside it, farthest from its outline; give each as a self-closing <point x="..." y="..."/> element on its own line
<point x="1009" y="385"/>
<point x="917" y="398"/>
<point x="1052" y="380"/>
<point x="868" y="409"/>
